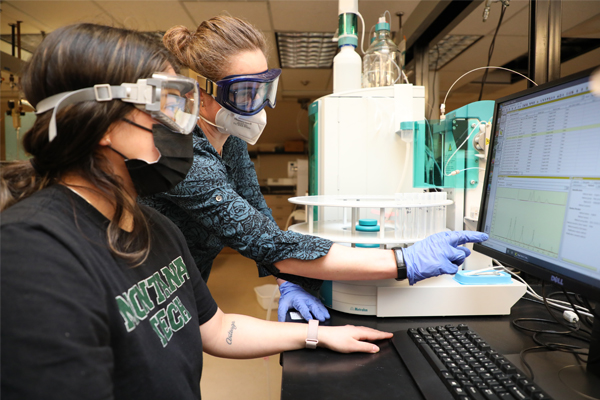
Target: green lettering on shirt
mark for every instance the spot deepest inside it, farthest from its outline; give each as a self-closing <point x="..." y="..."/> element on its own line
<point x="144" y="296"/>
<point x="181" y="268"/>
<point x="136" y="304"/>
<point x="184" y="312"/>
<point x="160" y="287"/>
<point x="156" y="326"/>
<point x="170" y="274"/>
<point x="127" y="311"/>
<point x="175" y="321"/>
<point x="140" y="301"/>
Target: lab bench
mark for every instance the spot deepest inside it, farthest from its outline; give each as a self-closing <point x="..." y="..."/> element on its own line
<point x="323" y="374"/>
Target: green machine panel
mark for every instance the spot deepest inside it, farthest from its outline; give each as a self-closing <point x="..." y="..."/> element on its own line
<point x="444" y="146"/>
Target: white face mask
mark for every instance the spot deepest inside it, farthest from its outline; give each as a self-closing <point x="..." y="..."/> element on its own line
<point x="246" y="127"/>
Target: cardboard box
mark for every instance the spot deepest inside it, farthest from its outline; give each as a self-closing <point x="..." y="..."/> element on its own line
<point x="294" y="146"/>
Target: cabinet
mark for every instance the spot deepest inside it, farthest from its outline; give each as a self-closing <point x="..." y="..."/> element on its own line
<point x="280" y="206"/>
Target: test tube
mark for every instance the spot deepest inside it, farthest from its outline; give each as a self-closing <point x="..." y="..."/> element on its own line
<point x="421" y="216"/>
<point x="437" y="212"/>
<point x="430" y="213"/>
<point x="444" y="196"/>
<point x="399" y="225"/>
<point x="440" y="219"/>
<point x="409" y="228"/>
<point x="425" y="217"/>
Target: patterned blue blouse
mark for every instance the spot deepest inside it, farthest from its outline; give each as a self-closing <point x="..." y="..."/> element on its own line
<point x="219" y="204"/>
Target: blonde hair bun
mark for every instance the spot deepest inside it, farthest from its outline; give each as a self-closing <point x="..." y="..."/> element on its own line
<point x="210" y="49"/>
<point x="177" y="39"/>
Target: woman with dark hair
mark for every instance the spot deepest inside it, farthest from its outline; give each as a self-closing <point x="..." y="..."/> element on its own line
<point x="220" y="204"/>
<point x="100" y="295"/>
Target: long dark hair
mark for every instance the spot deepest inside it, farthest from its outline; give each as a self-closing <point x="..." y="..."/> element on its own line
<point x="71" y="58"/>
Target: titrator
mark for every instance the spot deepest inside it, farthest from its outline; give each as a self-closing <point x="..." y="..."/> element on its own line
<point x="381" y="175"/>
<point x="372" y="155"/>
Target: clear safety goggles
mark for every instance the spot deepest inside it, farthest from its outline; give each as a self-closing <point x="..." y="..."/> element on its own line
<point x="244" y="94"/>
<point x="173" y="100"/>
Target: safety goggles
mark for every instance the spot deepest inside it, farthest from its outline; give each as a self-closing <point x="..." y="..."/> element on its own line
<point x="172" y="100"/>
<point x="243" y="94"/>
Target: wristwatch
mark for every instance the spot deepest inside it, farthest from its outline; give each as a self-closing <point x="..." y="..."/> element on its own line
<point x="400" y="264"/>
<point x="312" y="336"/>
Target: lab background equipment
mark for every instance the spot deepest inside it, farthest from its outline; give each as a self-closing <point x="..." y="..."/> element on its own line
<point x="15" y="126"/>
<point x="371" y="155"/>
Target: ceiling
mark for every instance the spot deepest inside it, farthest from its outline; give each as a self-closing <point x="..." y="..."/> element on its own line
<point x="580" y="19"/>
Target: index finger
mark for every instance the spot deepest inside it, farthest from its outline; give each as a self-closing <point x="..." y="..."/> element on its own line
<point x="461" y="237"/>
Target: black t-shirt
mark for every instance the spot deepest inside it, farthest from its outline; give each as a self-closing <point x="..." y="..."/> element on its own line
<point x="79" y="323"/>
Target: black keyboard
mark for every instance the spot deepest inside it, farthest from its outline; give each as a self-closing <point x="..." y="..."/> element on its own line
<point x="454" y="362"/>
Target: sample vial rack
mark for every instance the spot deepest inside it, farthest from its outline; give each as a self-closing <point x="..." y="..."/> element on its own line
<point x="414" y="216"/>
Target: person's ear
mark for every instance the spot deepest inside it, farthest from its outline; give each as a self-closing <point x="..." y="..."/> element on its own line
<point x="206" y="100"/>
<point x="203" y="96"/>
<point x="105" y="141"/>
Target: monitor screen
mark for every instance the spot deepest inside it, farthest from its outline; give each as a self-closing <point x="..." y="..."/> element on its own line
<point x="541" y="199"/>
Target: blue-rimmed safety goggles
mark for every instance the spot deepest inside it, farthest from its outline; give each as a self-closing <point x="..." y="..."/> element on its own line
<point x="243" y="94"/>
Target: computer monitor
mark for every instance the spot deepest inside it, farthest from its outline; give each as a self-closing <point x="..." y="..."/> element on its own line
<point x="541" y="197"/>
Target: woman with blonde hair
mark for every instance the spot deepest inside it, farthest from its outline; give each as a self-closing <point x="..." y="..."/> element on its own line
<point x="100" y="296"/>
<point x="220" y="204"/>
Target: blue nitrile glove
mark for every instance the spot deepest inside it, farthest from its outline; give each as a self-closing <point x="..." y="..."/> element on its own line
<point x="293" y="296"/>
<point x="438" y="254"/>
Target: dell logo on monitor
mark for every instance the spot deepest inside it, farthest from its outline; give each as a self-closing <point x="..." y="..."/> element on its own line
<point x="556" y="279"/>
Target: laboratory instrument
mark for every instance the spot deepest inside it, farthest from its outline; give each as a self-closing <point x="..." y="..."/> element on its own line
<point x="372" y="155"/>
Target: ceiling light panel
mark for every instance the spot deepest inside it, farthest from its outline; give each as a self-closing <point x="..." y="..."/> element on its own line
<point x="449" y="48"/>
<point x="306" y="49"/>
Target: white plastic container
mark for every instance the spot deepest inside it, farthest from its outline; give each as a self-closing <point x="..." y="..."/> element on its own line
<point x="347" y="66"/>
<point x="264" y="293"/>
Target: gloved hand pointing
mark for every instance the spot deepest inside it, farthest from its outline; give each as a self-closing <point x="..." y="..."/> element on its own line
<point x="438" y="254"/>
<point x="293" y="296"/>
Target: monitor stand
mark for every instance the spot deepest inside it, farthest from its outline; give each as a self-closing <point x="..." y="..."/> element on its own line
<point x="586" y="381"/>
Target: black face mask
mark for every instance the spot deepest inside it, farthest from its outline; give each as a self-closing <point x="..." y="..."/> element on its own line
<point x="176" y="158"/>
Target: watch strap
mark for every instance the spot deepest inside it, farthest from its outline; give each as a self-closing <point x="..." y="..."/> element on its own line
<point x="400" y="264"/>
<point x="312" y="335"/>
